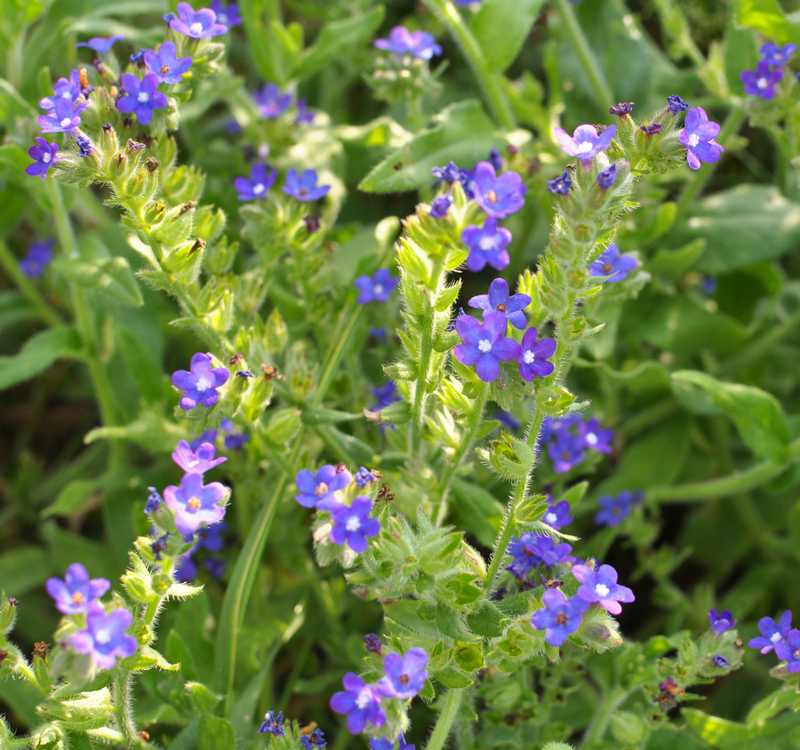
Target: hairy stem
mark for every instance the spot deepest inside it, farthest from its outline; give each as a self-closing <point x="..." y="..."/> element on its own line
<point x="122" y="692"/>
<point x="444" y="724"/>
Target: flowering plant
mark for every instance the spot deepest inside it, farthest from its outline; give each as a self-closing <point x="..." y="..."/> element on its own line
<point x="404" y="368"/>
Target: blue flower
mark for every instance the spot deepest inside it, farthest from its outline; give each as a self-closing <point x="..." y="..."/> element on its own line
<point x="272" y="102"/>
<point x="209" y="436"/>
<point x="322" y="489"/>
<point x="451" y="173"/>
<point x="698" y="137"/>
<point x="62" y="117"/>
<point x="405" y="673"/>
<point x="372" y="642"/>
<point x="566" y="449"/>
<point x="487" y="244"/>
<point x="101" y="44"/>
<point x="195" y="504"/>
<point x="304" y="186"/>
<point x="227" y="13"/>
<point x="607" y="177"/>
<point x="772" y="632"/>
<point x="614" y="510"/>
<point x="485" y="345"/>
<point x="531" y="550"/>
<point x="360" y="702"/>
<point x="560" y="185"/>
<point x="497" y="196"/>
<point x="212" y="537"/>
<point x="165" y="64"/>
<point x="384" y="743"/>
<point x="196" y="24"/>
<point x="721" y="621"/>
<point x="788" y="650"/>
<point x="599" y="586"/>
<point x="376" y="288"/>
<point x="77" y="591"/>
<point x="257" y="186"/>
<point x="559" y="617"/>
<point x="273" y="724"/>
<point x="401" y="42"/>
<point x="233" y="440"/>
<point x="595" y="436"/>
<point x="507" y="419"/>
<point x="612" y="265"/>
<point x="720" y="661"/>
<point x="558" y="514"/>
<point x="385" y="395"/>
<point x="84" y="145"/>
<point x="534" y="356"/>
<point x="364" y="476"/>
<point x="353" y="525"/>
<point x="315" y="739"/>
<point x="38" y="257"/>
<point x="776" y="54"/>
<point x="499" y="299"/>
<point x="621" y="109"/>
<point x="305" y="116"/>
<point x="762" y="81"/>
<point x="154" y="500"/>
<point x="200" y="383"/>
<point x="141" y="97"/>
<point x="440" y="206"/>
<point x="199" y="460"/>
<point x="676" y="104"/>
<point x="585" y="142"/>
<point x="104" y="638"/>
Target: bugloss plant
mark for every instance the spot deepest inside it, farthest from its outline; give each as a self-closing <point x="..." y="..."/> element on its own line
<point x="425" y="451"/>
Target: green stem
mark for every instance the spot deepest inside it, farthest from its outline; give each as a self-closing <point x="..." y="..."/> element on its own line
<point x="467" y="441"/>
<point x="122" y="688"/>
<point x="450" y="707"/>
<point x="418" y="410"/>
<point x="351" y="315"/>
<point x="603" y="95"/>
<point x="491" y="83"/>
<point x="11" y="267"/>
<point x="601" y="716"/>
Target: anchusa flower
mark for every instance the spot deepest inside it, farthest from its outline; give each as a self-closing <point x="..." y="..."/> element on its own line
<point x="568" y="438"/>
<point x="499" y="299"/>
<point x="621" y="109"/>
<point x="197" y="461"/>
<point x="788" y="650"/>
<point x="315" y="739"/>
<point x="558" y="514"/>
<point x="721" y="621"/>
<point x="585" y="142"/>
<point x="384" y="743"/>
<point x="233" y="440"/>
<point x="73" y="89"/>
<point x="762" y="81"/>
<point x="271" y="101"/>
<point x="195" y="504"/>
<point x="599" y="586"/>
<point x="614" y="510"/>
<point x="440" y="206"/>
<point x="372" y="642"/>
<point x="485" y="345"/>
<point x="698" y="136"/>
<point x="560" y="185"/>
<point x="595" y="436"/>
<point x="77" y="591"/>
<point x="612" y="265"/>
<point x="499" y="196"/>
<point x="304" y="186"/>
<point x="534" y="355"/>
<point x="227" y="13"/>
<point x="200" y="383"/>
<point x="38" y="257"/>
<point x="84" y="145"/>
<point x="376" y="288"/>
<point x="104" y="638"/>
<point x="607" y="177"/>
<point x="353" y="524"/>
<point x="257" y="186"/>
<point x="531" y="550"/>
<point x="323" y="489"/>
<point x="487" y="244"/>
<point x="451" y="173"/>
<point x="196" y="24"/>
<point x="101" y="44"/>
<point x="676" y="104"/>
<point x="566" y="450"/>
<point x="385" y="395"/>
<point x="405" y="673"/>
<point x="560" y="617"/>
<point x="650" y="129"/>
<point x="401" y="42"/>
<point x="363" y="477"/>
<point x="165" y="65"/>
<point x="273" y="724"/>
<point x="772" y="632"/>
<point x="154" y="500"/>
<point x="777" y="54"/>
<point x="507" y="419"/>
<point x="360" y="702"/>
<point x="141" y="97"/>
<point x="63" y="117"/>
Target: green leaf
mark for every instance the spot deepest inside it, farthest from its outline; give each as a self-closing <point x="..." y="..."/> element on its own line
<point x="73" y="497"/>
<point x="111" y="277"/>
<point x="461" y="133"/>
<point x="14" y="308"/>
<point x="12" y="104"/>
<point x="758" y="415"/>
<point x="477" y="510"/>
<point x="23" y="568"/>
<point x="38" y="353"/>
<point x="337" y="40"/>
<point x="501" y="28"/>
<point x="216" y="734"/>
<point x="768" y="17"/>
<point x="673" y="264"/>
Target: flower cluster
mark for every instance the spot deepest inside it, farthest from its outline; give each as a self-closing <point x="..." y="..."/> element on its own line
<point x="568" y="438"/>
<point x="300" y="186"/>
<point x="764" y="79"/>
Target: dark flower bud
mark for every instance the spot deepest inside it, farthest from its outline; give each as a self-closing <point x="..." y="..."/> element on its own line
<point x="373" y="644"/>
<point x="621" y="109"/>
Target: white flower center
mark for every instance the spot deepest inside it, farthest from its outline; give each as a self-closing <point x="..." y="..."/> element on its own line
<point x="378" y="289"/>
<point x="66" y="94"/>
<point x="353" y="523"/>
<point x="694" y="140"/>
<point x="591" y="438"/>
<point x="102" y="636"/>
<point x="46" y="157"/>
<point x="528" y="357"/>
<point x="486" y="243"/>
<point x="66" y="122"/>
<point x="775" y="637"/>
<point x="551" y="517"/>
<point x="601" y="590"/>
<point x="584" y="148"/>
<point x="258" y="189"/>
<point x="143" y="97"/>
<point x="762" y="83"/>
<point x="364" y="697"/>
<point x="203" y="383"/>
<point x="222" y="18"/>
<point x="196" y="27"/>
<point x="485" y="346"/>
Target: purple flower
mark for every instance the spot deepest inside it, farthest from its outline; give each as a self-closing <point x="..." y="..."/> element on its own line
<point x="612" y="265"/>
<point x="385" y="395"/>
<point x="698" y="138"/>
<point x="322" y="490"/>
<point x="599" y="585"/>
<point x="186" y="571"/>
<point x="104" y="638"/>
<point x="558" y="514"/>
<point x="495" y="159"/>
<point x="305" y="115"/>
<point x="607" y="177"/>
<point x="614" y="510"/>
<point x="234" y="441"/>
<point x="77" y="591"/>
<point x="141" y="97"/>
<point x="721" y="621"/>
<point x="360" y="702"/>
<point x="154" y="500"/>
<point x="376" y="288"/>
<point x="772" y="632"/>
<point x="507" y="419"/>
<point x="440" y="206"/>
<point x="197" y="24"/>
<point x="262" y="176"/>
<point x="62" y="117"/>
<point x="352" y="524"/>
<point x="720" y="661"/>
<point x="364" y="476"/>
<point x="227" y="13"/>
<point x="271" y="101"/>
<point x="304" y="186"/>
<point x="101" y="44"/>
<point x="560" y="616"/>
<point x="485" y="345"/>
<point x="273" y="724"/>
<point x="777" y="55"/>
<point x="209" y="436"/>
<point x="566" y="451"/>
<point x="372" y="642"/>
<point x="84" y="145"/>
<point x="384" y="743"/>
<point x="499" y="300"/>
<point x="498" y="196"/>
<point x="530" y="550"/>
<point x="199" y="384"/>
<point x="405" y="674"/>
<point x="137" y="58"/>
<point x="487" y="244"/>
<point x="788" y="650"/>
<point x="165" y="64"/>
<point x="560" y="185"/>
<point x="451" y="173"/>
<point x="39" y="256"/>
<point x="212" y="537"/>
<point x="195" y="504"/>
<point x="676" y="104"/>
<point x="315" y="739"/>
<point x="585" y="142"/>
<point x="654" y="128"/>
<point x="197" y="461"/>
<point x="595" y="436"/>
<point x="534" y="356"/>
<point x="401" y="41"/>
<point x="761" y="82"/>
<point x="621" y="109"/>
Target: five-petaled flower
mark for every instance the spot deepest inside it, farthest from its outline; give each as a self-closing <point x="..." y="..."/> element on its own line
<point x="353" y="524"/>
<point x="762" y="81"/>
<point x="401" y="42"/>
<point x="314" y="740"/>
<point x="612" y="266"/>
<point x="257" y="186"/>
<point x="585" y="142"/>
<point x="772" y="632"/>
<point x="196" y="460"/>
<point x="534" y="355"/>
<point x="304" y="186"/>
<point x="271" y="101"/>
<point x="788" y="650"/>
<point x="676" y="104"/>
<point x="595" y="436"/>
<point x="558" y="514"/>
<point x="140" y="97"/>
<point x="559" y="617"/>
<point x="39" y="256"/>
<point x="44" y="155"/>
<point x="77" y="591"/>
<point x="560" y="185"/>
<point x="376" y="288"/>
<point x="497" y="196"/>
<point x="273" y="724"/>
<point x="599" y="585"/>
<point x="776" y="54"/>
<point x="698" y="136"/>
<point x="721" y="621"/>
<point x="405" y="674"/>
<point x="164" y="63"/>
<point x="104" y="638"/>
<point x="499" y="299"/>
<point x="200" y="383"/>
<point x="322" y="489"/>
<point x="227" y="13"/>
<point x="197" y="24"/>
<point x="360" y="702"/>
<point x="614" y="510"/>
<point x="385" y="395"/>
<point x="195" y="504"/>
<point x="101" y="44"/>
<point x="63" y="116"/>
<point x="485" y="345"/>
<point x="487" y="244"/>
